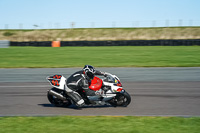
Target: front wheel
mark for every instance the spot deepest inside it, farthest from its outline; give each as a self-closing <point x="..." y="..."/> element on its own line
<point x="121" y="99"/>
<point x="57" y="102"/>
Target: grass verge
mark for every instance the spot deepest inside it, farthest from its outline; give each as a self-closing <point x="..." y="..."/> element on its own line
<point x="97" y="34"/>
<point x="99" y="124"/>
<point x="127" y="56"/>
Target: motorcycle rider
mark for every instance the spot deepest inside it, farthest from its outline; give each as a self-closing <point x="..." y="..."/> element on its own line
<point x="81" y="80"/>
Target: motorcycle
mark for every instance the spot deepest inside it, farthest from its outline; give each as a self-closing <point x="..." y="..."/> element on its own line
<point x="108" y="91"/>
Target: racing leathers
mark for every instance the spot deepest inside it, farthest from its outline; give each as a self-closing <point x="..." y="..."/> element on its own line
<point x="78" y="81"/>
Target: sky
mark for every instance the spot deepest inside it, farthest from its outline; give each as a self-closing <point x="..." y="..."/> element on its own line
<point x="24" y="14"/>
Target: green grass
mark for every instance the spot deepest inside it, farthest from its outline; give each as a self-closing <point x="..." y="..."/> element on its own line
<point x="127" y="56"/>
<point x="99" y="124"/>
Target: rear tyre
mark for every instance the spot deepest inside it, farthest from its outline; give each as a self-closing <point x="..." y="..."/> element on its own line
<point x="57" y="102"/>
<point x="122" y="99"/>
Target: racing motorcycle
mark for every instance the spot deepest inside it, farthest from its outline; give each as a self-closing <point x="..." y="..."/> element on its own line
<point x="108" y="91"/>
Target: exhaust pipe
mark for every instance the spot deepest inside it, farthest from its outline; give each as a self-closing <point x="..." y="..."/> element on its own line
<point x="59" y="96"/>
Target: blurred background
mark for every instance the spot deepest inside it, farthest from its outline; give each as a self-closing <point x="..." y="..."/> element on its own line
<point x="105" y="24"/>
<point x="59" y="32"/>
<point x="77" y="20"/>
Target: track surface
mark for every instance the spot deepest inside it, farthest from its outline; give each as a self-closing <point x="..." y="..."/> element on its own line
<point x="154" y="91"/>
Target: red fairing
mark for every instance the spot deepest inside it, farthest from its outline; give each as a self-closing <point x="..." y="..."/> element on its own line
<point x="96" y="84"/>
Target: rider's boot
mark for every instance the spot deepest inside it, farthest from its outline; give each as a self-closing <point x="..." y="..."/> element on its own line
<point x="76" y="98"/>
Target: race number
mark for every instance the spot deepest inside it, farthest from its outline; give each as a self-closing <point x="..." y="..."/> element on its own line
<point x="55" y="80"/>
<point x="57" y="76"/>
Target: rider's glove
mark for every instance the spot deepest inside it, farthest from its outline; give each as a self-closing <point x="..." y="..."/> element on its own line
<point x="105" y="74"/>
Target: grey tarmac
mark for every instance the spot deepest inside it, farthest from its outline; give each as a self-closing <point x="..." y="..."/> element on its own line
<point x="154" y="91"/>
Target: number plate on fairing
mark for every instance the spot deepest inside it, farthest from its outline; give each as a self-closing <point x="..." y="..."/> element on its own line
<point x="57" y="81"/>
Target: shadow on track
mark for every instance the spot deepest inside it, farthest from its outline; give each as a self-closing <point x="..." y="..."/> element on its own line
<point x="75" y="107"/>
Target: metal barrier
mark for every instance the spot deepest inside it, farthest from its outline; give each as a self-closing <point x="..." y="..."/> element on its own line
<point x="4" y="44"/>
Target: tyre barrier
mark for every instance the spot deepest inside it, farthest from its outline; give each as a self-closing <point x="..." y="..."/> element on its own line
<point x="33" y="43"/>
<point x="189" y="42"/>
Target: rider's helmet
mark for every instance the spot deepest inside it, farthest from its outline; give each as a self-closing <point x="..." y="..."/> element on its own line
<point x="89" y="71"/>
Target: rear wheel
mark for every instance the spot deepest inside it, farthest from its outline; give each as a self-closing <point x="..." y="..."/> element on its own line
<point x="57" y="102"/>
<point x="122" y="99"/>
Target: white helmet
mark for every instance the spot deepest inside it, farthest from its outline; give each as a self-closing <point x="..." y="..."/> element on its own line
<point x="89" y="71"/>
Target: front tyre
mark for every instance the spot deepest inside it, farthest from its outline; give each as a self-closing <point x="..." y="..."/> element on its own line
<point x="121" y="99"/>
<point x="58" y="102"/>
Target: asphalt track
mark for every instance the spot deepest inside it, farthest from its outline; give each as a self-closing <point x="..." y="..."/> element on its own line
<point x="154" y="92"/>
